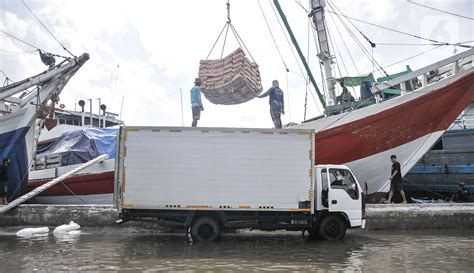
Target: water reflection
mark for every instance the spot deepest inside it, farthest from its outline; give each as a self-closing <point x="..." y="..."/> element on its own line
<point x="376" y="251"/>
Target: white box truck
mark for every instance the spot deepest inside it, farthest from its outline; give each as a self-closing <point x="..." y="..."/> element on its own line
<point x="207" y="180"/>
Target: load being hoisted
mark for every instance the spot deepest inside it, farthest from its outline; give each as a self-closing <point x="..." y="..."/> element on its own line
<point x="233" y="79"/>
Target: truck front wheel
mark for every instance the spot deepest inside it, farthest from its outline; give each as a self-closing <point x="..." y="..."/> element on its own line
<point x="332" y="228"/>
<point x="205" y="229"/>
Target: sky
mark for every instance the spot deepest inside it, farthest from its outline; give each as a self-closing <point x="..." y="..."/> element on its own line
<point x="146" y="53"/>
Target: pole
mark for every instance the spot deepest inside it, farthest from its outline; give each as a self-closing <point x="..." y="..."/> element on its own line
<point x="303" y="60"/>
<point x="317" y="14"/>
<point x="90" y="121"/>
<point x="99" y="113"/>
<point x="121" y="108"/>
<point x="182" y="112"/>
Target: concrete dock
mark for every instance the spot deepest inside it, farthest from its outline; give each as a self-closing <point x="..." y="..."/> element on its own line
<point x="379" y="217"/>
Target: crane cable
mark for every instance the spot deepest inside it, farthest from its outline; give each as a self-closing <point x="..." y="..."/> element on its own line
<point x="226" y="27"/>
<point x="44" y="26"/>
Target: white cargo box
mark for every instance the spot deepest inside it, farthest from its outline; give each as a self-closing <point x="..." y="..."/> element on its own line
<point x="213" y="168"/>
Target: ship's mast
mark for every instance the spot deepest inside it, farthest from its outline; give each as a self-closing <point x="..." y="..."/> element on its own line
<point x="317" y="13"/>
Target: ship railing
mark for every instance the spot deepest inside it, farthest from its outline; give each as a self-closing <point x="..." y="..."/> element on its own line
<point x="429" y="74"/>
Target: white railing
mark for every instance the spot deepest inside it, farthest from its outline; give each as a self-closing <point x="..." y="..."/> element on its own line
<point x="431" y="73"/>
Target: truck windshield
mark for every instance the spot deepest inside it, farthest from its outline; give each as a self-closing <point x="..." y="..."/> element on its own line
<point x="343" y="179"/>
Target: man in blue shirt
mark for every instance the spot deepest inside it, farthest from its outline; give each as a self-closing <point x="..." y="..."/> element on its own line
<point x="277" y="104"/>
<point x="196" y="102"/>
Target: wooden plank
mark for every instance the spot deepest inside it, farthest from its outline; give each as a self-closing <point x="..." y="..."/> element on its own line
<point x="51" y="183"/>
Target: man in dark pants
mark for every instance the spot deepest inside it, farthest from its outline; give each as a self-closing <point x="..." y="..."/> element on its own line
<point x="396" y="180"/>
<point x="4" y="181"/>
<point x="277" y="104"/>
<point x="196" y="103"/>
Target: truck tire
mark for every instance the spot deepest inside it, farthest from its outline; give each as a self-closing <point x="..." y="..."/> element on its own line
<point x="332" y="228"/>
<point x="205" y="229"/>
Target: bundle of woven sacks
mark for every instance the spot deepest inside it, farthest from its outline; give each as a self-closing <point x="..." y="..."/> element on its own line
<point x="231" y="80"/>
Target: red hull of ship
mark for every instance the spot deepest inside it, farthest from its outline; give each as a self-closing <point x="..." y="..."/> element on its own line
<point x="395" y="126"/>
<point x="86" y="184"/>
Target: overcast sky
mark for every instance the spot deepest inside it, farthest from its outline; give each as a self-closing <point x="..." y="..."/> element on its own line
<point x="158" y="45"/>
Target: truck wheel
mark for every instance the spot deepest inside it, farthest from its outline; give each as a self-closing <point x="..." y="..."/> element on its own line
<point x="205" y="229"/>
<point x="332" y="228"/>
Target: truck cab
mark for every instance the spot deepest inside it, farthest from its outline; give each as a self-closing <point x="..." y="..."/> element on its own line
<point x="338" y="194"/>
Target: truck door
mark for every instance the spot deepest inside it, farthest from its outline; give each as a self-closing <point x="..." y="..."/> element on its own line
<point x="345" y="194"/>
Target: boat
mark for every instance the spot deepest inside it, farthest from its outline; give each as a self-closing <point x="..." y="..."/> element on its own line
<point x="73" y="141"/>
<point x="93" y="185"/>
<point x="24" y="107"/>
<point x="449" y="162"/>
<point x="406" y="126"/>
<point x="364" y="134"/>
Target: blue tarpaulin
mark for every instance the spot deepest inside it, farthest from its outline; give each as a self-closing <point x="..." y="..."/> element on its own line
<point x="80" y="146"/>
<point x="13" y="146"/>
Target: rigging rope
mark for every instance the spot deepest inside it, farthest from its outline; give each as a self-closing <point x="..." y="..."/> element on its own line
<point x="273" y="38"/>
<point x="443" y="11"/>
<point x="62" y="45"/>
<point x="35" y="47"/>
<point x="19" y="52"/>
<point x="281" y="57"/>
<point x="332" y="43"/>
<point x="18" y="39"/>
<point x="345" y="46"/>
<point x="412" y="57"/>
<point x="7" y="79"/>
<point x="432" y="44"/>
<point x="306" y="91"/>
<point x="396" y="31"/>
<point x="292" y="51"/>
<point x="367" y="54"/>
<point x="298" y="2"/>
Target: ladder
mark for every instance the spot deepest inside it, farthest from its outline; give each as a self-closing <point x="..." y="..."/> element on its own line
<point x="51" y="183"/>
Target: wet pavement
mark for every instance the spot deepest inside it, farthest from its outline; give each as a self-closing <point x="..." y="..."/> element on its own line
<point x="104" y="250"/>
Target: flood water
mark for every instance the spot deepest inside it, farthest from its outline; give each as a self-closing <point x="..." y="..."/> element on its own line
<point x="99" y="250"/>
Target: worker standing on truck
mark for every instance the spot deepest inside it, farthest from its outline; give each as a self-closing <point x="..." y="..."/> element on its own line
<point x="196" y="103"/>
<point x="277" y="104"/>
